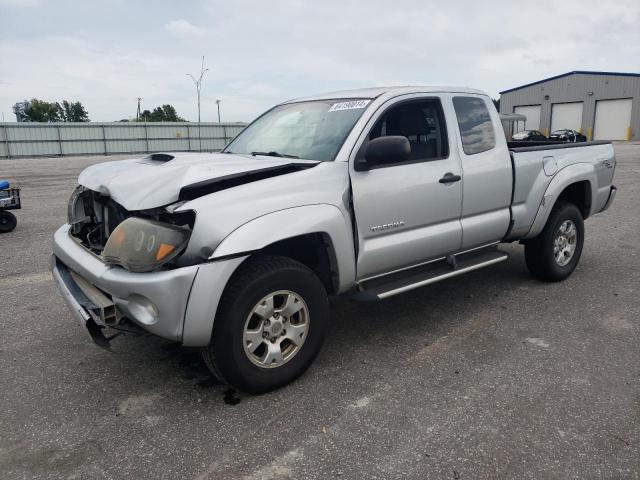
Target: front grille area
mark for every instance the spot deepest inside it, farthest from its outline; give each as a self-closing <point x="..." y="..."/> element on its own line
<point x="93" y="217"/>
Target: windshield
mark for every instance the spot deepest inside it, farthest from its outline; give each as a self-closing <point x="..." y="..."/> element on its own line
<point x="559" y="132"/>
<point x="310" y="130"/>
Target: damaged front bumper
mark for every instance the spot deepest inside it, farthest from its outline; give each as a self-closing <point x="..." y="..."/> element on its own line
<point x="177" y="304"/>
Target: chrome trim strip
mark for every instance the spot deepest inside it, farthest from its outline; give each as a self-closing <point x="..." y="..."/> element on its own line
<point x="450" y="274"/>
<point x="476" y="248"/>
<point x="364" y="280"/>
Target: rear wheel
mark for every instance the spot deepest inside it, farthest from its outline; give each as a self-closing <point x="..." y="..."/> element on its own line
<point x="554" y="254"/>
<point x="270" y="325"/>
<point x="7" y="221"/>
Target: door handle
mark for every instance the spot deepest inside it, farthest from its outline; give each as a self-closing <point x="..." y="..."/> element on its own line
<point x="450" y="178"/>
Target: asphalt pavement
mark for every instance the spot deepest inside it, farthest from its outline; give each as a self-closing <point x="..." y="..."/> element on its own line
<point x="488" y="375"/>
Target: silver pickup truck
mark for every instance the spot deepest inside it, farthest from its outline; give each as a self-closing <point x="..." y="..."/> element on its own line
<point x="371" y="192"/>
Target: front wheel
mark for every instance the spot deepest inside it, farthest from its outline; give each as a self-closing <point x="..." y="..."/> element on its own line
<point x="270" y="324"/>
<point x="7" y="221"/>
<point x="554" y="254"/>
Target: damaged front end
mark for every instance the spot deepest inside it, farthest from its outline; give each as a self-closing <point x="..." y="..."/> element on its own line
<point x="109" y="302"/>
<point x="94" y="217"/>
<point x="134" y="258"/>
<point x="92" y="308"/>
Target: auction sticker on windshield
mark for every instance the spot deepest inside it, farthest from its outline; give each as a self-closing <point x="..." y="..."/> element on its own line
<point x="336" y="107"/>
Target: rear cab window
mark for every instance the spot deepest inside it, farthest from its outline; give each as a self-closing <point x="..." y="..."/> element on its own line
<point x="476" y="129"/>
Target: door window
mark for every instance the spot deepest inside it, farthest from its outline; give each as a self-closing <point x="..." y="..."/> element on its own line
<point x="476" y="129"/>
<point x="422" y="123"/>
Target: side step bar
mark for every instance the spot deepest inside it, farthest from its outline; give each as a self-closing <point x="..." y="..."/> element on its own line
<point x="393" y="284"/>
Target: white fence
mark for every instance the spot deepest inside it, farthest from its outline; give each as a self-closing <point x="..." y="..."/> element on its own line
<point x="59" y="139"/>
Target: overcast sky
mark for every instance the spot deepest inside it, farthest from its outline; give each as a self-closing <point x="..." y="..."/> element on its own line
<point x="106" y="53"/>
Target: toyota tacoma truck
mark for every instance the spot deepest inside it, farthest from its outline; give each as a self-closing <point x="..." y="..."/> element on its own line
<point x="371" y="192"/>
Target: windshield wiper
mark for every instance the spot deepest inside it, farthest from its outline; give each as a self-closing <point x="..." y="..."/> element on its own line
<point x="273" y="154"/>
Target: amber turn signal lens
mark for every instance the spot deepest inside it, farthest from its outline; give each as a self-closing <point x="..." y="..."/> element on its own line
<point x="118" y="237"/>
<point x="164" y="250"/>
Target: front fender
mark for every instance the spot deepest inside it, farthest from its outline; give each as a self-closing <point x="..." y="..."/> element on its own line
<point x="577" y="172"/>
<point x="292" y="222"/>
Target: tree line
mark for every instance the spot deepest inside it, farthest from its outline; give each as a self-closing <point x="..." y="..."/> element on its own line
<point x="165" y="113"/>
<point x="37" y="110"/>
<point x="41" y="111"/>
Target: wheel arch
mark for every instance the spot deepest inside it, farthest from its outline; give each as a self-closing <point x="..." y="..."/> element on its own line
<point x="318" y="236"/>
<point x="314" y="250"/>
<point x="573" y="184"/>
<point x="578" y="193"/>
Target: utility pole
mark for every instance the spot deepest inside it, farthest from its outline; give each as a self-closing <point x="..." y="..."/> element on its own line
<point x="138" y="112"/>
<point x="218" y="104"/>
<point x="198" y="84"/>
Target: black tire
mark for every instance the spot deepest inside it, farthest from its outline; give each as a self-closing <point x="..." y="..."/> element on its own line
<point x="256" y="278"/>
<point x="538" y="252"/>
<point x="7" y="221"/>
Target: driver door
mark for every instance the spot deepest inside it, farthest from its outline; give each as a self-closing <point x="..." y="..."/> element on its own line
<point x="408" y="213"/>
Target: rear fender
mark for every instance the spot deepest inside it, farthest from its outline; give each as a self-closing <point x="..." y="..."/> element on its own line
<point x="578" y="172"/>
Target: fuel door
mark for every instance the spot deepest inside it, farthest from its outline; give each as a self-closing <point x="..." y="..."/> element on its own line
<point x="550" y="166"/>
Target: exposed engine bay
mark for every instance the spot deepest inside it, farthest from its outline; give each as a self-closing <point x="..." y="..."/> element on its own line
<point x="94" y="216"/>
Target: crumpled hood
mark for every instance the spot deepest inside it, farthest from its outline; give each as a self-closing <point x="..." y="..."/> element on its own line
<point x="143" y="183"/>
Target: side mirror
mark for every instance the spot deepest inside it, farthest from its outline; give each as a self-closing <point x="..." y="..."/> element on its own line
<point x="384" y="151"/>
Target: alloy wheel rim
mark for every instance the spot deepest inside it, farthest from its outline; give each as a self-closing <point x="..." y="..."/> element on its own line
<point x="564" y="243"/>
<point x="275" y="329"/>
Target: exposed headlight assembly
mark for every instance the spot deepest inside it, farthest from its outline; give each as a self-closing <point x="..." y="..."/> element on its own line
<point x="78" y="210"/>
<point x="142" y="245"/>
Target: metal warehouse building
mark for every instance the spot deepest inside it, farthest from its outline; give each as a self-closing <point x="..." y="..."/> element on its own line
<point x="601" y="105"/>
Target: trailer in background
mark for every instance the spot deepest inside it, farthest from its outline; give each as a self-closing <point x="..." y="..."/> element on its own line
<point x="9" y="200"/>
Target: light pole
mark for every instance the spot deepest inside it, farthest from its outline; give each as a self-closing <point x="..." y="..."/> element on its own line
<point x="218" y="104"/>
<point x="198" y="84"/>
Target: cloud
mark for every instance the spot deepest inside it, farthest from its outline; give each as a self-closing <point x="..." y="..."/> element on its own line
<point x="102" y="54"/>
<point x="184" y="29"/>
<point x="20" y="3"/>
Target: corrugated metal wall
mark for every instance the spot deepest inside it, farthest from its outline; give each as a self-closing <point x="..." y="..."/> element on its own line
<point x="51" y="139"/>
<point x="579" y="87"/>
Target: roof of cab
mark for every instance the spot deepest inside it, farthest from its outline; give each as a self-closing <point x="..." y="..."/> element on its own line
<point x="392" y="91"/>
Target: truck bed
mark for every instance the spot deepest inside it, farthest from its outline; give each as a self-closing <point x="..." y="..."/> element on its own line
<point x="536" y="164"/>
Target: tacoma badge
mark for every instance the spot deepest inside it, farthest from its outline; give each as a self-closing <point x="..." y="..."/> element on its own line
<point x="386" y="226"/>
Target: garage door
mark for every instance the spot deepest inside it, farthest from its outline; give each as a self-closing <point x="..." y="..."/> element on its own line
<point x="613" y="118"/>
<point x="532" y="112"/>
<point x="566" y="115"/>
